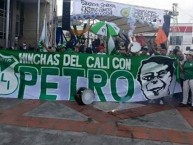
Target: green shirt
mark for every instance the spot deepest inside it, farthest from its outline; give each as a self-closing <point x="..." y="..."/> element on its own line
<point x="188" y="70"/>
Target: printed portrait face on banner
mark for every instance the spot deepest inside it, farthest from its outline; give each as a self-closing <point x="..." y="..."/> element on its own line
<point x="155" y="76"/>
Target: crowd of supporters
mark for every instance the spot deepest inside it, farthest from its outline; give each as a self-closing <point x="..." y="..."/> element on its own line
<point x="99" y="47"/>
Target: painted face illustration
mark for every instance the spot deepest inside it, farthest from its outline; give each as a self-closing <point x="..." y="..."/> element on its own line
<point x="155" y="79"/>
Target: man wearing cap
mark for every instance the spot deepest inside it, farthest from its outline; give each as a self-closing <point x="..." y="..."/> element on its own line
<point x="187" y="68"/>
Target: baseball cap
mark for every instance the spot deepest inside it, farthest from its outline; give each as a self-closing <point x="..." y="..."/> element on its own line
<point x="189" y="53"/>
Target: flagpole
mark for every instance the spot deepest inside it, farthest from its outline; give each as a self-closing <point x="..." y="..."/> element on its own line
<point x="88" y="34"/>
<point x="38" y="21"/>
<point x="7" y="25"/>
<point x="107" y="49"/>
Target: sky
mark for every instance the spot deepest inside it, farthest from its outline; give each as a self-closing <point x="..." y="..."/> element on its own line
<point x="185" y="7"/>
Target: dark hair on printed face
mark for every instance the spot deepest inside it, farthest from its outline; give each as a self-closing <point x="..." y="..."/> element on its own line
<point x="159" y="60"/>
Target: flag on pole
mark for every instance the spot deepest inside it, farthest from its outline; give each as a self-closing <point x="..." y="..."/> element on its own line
<point x="162" y="34"/>
<point x="111" y="44"/>
<point x="44" y="40"/>
<point x="60" y="40"/>
<point x="166" y="24"/>
<point x="161" y="37"/>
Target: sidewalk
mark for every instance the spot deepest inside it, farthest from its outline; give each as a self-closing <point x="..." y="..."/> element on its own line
<point x="35" y="122"/>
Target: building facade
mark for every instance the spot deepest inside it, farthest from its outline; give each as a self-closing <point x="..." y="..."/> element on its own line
<point x="181" y="36"/>
<point x="23" y="21"/>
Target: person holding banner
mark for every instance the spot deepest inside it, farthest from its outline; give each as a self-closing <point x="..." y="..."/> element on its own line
<point x="49" y="48"/>
<point x="187" y="68"/>
<point x="122" y="49"/>
<point x="101" y="49"/>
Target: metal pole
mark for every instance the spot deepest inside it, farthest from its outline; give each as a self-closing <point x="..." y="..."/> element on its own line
<point x="38" y="21"/>
<point x="4" y="23"/>
<point x="53" y="16"/>
<point x="7" y="25"/>
<point x="52" y="22"/>
<point x="88" y="34"/>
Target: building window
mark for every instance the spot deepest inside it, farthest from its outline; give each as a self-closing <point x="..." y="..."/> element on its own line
<point x="17" y="25"/>
<point x="17" y="29"/>
<point x="188" y="48"/>
<point x="176" y="40"/>
<point x="2" y="19"/>
<point x="21" y="19"/>
<point x="2" y="4"/>
<point x="17" y="5"/>
<point x="21" y="29"/>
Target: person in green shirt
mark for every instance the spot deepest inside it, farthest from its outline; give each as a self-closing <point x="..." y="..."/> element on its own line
<point x="187" y="68"/>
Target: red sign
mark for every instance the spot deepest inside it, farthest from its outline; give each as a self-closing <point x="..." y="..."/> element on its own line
<point x="186" y="29"/>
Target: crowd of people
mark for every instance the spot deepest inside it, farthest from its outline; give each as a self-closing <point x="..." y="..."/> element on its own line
<point x="24" y="46"/>
<point x="186" y="66"/>
<point x="98" y="47"/>
<point x="185" y="61"/>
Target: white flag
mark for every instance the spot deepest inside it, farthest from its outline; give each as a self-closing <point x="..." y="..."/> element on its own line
<point x="111" y="44"/>
<point x="44" y="35"/>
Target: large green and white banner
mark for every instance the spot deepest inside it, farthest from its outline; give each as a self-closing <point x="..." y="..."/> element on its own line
<point x="58" y="76"/>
